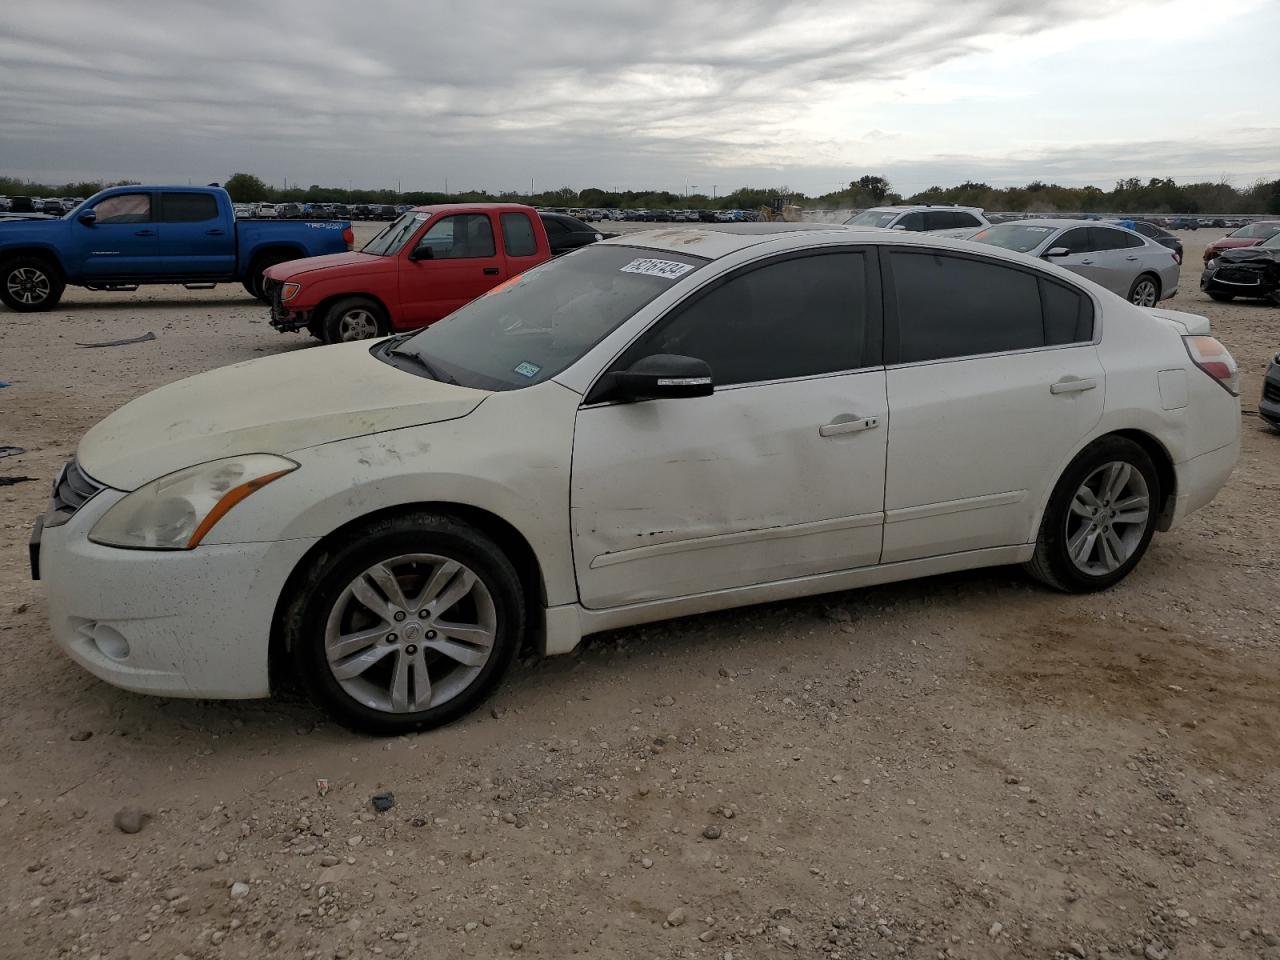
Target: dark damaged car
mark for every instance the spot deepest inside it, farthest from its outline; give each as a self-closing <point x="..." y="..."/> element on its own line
<point x="1245" y="272"/>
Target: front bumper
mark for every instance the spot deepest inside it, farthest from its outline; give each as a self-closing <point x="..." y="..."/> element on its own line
<point x="283" y="318"/>
<point x="176" y="623"/>
<point x="1269" y="407"/>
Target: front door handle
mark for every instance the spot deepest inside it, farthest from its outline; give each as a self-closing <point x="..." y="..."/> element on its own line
<point x="145" y="233"/>
<point x="490" y="271"/>
<point x="1131" y="257"/>
<point x="1073" y="385"/>
<point x="214" y="233"/>
<point x="848" y="423"/>
<point x="1086" y="261"/>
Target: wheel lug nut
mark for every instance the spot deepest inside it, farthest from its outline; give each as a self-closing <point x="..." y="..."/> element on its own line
<point x="392" y="638"/>
<point x="431" y="634"/>
<point x="399" y="615"/>
<point x="423" y="614"/>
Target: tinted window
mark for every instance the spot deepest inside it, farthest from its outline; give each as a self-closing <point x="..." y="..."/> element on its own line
<point x="789" y="318"/>
<point x="1076" y="241"/>
<point x="912" y="221"/>
<point x="1068" y="314"/>
<point x="872" y="218"/>
<point x="1021" y="237"/>
<point x="124" y="208"/>
<point x="554" y="226"/>
<point x="954" y="307"/>
<point x="517" y="235"/>
<point x="1105" y="238"/>
<point x="459" y="237"/>
<point x="937" y="220"/>
<point x="963" y="219"/>
<point x="187" y="207"/>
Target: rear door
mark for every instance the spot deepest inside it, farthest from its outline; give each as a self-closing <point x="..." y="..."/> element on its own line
<point x="993" y="380"/>
<point x="196" y="241"/>
<point x="1117" y="261"/>
<point x="464" y="263"/>
<point x="124" y="241"/>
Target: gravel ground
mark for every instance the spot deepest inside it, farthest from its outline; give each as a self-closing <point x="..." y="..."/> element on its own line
<point x="965" y="766"/>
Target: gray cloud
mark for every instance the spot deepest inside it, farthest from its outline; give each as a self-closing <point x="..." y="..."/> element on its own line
<point x="607" y="92"/>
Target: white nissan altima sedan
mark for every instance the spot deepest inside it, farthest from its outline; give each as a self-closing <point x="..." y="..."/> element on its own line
<point x="662" y="424"/>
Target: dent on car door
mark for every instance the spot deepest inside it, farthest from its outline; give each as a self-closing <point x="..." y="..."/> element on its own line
<point x="778" y="474"/>
<point x="993" y="380"/>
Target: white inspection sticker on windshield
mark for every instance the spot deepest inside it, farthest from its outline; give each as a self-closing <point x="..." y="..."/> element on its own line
<point x="668" y="269"/>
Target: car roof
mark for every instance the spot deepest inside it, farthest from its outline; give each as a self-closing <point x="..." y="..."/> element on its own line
<point x="912" y="207"/>
<point x="1063" y="223"/>
<point x="464" y="207"/>
<point x="715" y="240"/>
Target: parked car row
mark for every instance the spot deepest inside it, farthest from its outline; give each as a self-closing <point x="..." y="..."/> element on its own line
<point x="659" y="424"/>
<point x="53" y="206"/>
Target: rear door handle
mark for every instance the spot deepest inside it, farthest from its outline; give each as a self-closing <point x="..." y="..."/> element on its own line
<point x="1086" y="261"/>
<point x="144" y="233"/>
<point x="848" y="423"/>
<point x="1131" y="257"/>
<point x="1073" y="385"/>
<point x="490" y="271"/>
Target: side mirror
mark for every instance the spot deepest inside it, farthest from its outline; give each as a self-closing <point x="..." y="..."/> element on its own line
<point x="88" y="218"/>
<point x="1056" y="252"/>
<point x="657" y="377"/>
<point x="422" y="252"/>
<point x="897" y="226"/>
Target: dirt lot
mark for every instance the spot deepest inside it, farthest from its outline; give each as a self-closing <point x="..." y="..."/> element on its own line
<point x="967" y="766"/>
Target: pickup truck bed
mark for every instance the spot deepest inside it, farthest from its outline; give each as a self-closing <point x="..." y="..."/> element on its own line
<point x="123" y="237"/>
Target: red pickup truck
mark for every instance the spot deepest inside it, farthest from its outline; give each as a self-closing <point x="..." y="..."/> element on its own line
<point x="422" y="267"/>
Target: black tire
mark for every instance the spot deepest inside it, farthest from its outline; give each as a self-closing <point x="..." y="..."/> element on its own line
<point x="1221" y="297"/>
<point x="329" y="574"/>
<point x="341" y="325"/>
<point x="1051" y="563"/>
<point x="1139" y="284"/>
<point x="30" y="284"/>
<point x="255" y="282"/>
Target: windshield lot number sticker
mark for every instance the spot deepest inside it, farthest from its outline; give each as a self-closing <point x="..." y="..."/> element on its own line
<point x="527" y="369"/>
<point x="667" y="269"/>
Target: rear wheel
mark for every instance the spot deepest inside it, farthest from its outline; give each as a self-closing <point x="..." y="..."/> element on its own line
<point x="30" y="285"/>
<point x="255" y="283"/>
<point x="406" y="624"/>
<point x="1221" y="297"/>
<point x="1100" y="518"/>
<point x="355" y="318"/>
<point x="1145" y="291"/>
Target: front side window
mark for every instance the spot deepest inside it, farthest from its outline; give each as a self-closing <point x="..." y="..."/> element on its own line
<point x="187" y="207"/>
<point x="124" y="208"/>
<point x="535" y="325"/>
<point x="518" y="236"/>
<point x="951" y="306"/>
<point x="554" y="227"/>
<point x="912" y="221"/>
<point x="1078" y="240"/>
<point x="790" y="318"/>
<point x="462" y="236"/>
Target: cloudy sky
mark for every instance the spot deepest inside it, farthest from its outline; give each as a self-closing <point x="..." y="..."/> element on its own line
<point x="651" y="94"/>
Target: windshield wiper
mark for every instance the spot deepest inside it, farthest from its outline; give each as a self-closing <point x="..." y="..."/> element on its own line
<point x="433" y="372"/>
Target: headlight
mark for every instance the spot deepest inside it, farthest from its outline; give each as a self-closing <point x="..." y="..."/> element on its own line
<point x="289" y="291"/>
<point x="175" y="512"/>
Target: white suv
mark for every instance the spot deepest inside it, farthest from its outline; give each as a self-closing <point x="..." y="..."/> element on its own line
<point x="946" y="221"/>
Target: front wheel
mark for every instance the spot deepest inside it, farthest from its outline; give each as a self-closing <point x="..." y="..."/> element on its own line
<point x="406" y="624"/>
<point x="30" y="285"/>
<point x="355" y="318"/>
<point x="1100" y="518"/>
<point x="1145" y="291"/>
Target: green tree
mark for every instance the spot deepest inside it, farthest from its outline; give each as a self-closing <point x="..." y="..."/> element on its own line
<point x="875" y="187"/>
<point x="246" y="188"/>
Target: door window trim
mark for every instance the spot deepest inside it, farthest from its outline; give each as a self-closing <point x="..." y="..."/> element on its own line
<point x="890" y="311"/>
<point x="875" y="307"/>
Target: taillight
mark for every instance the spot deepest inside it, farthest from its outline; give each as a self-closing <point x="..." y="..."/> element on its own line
<point x="349" y="235"/>
<point x="1215" y="360"/>
<point x="1177" y="258"/>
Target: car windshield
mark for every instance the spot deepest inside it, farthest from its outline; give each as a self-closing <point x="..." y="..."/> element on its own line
<point x="1273" y="243"/>
<point x="1022" y="237"/>
<point x="395" y="235"/>
<point x="535" y="325"/>
<point x="872" y="218"/>
<point x="1256" y="231"/>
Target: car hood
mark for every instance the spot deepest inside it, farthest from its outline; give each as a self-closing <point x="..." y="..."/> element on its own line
<point x="1256" y="252"/>
<point x="1229" y="243"/>
<point x="336" y="263"/>
<point x="1189" y="323"/>
<point x="272" y="405"/>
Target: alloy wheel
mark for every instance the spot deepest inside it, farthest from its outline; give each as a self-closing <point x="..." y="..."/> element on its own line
<point x="357" y="324"/>
<point x="1144" y="293"/>
<point x="411" y="632"/>
<point x="28" y="285"/>
<point x="1108" y="517"/>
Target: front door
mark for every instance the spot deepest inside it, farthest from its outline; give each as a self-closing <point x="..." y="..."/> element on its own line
<point x="124" y="241"/>
<point x="464" y="262"/>
<point x="988" y="397"/>
<point x="778" y="474"/>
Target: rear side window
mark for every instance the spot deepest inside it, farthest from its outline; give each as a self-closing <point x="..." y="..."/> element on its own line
<point x="798" y="317"/>
<point x="124" y="208"/>
<point x="187" y="207"/>
<point x="517" y="235"/>
<point x="554" y="226"/>
<point x="1076" y="241"/>
<point x="937" y="220"/>
<point x="912" y="221"/>
<point x="955" y="307"/>
<point x="1105" y="238"/>
<point x="962" y="219"/>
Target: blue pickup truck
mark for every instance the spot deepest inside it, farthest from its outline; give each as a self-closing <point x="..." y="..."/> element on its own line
<point x="127" y="236"/>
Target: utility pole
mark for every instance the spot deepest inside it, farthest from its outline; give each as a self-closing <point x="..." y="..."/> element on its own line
<point x="713" y="191"/>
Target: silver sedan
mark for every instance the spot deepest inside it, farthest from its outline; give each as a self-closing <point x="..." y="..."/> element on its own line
<point x="1125" y="262"/>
